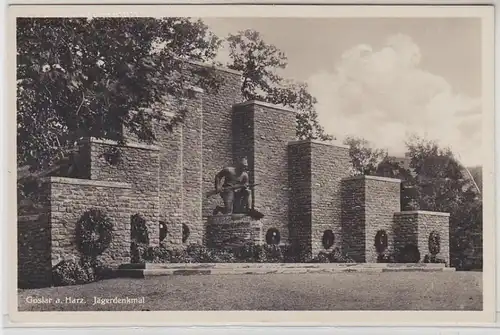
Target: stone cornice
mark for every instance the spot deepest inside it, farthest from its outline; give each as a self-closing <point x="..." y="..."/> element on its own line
<point x="329" y="143"/>
<point x="366" y="177"/>
<point x="88" y="182"/>
<point x="127" y="144"/>
<point x="218" y="68"/>
<point x="265" y="104"/>
<point x="422" y="212"/>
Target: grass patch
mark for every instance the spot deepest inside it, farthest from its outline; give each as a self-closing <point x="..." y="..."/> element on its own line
<point x="318" y="291"/>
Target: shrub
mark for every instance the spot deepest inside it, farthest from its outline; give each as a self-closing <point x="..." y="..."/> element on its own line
<point x="335" y="256"/>
<point x="247" y="253"/>
<point x="157" y="255"/>
<point x="96" y="270"/>
<point x="224" y="256"/>
<point x="103" y="272"/>
<point x="408" y="254"/>
<point x="434" y="243"/>
<point x="194" y="253"/>
<point x="338" y="257"/>
<point x="293" y="253"/>
<point x="83" y="271"/>
<point x="323" y="257"/>
<point x="138" y="252"/>
<point x="66" y="273"/>
<point x="270" y="253"/>
<point x="307" y="258"/>
<point x="88" y="266"/>
<point x="466" y="263"/>
<point x="180" y="256"/>
<point x="386" y="257"/>
<point x="433" y="259"/>
<point x="200" y="254"/>
<point x="252" y="253"/>
<point x="290" y="253"/>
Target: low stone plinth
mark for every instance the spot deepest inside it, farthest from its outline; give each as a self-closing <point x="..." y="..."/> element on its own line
<point x="228" y="231"/>
<point x="172" y="269"/>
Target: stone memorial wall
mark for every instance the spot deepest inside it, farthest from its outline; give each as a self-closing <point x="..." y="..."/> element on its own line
<point x="306" y="193"/>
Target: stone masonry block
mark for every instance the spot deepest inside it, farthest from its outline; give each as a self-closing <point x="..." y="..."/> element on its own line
<point x="415" y="227"/>
<point x="369" y="204"/>
<point x="71" y="198"/>
<point x="231" y="231"/>
<point x="315" y="173"/>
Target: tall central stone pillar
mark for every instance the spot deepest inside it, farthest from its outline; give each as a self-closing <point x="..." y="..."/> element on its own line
<point x="261" y="133"/>
<point x="180" y="177"/>
<point x="368" y="207"/>
<point x="315" y="171"/>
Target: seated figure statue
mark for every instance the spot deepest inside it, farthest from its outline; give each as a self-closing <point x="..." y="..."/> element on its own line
<point x="234" y="190"/>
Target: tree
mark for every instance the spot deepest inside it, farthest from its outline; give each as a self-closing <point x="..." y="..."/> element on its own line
<point x="434" y="181"/>
<point x="477" y="174"/>
<point x="259" y="62"/>
<point x="80" y="77"/>
<point x="367" y="160"/>
<point x="442" y="183"/>
<point x="364" y="158"/>
<point x="444" y="186"/>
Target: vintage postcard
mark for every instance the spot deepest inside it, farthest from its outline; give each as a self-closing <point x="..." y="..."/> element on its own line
<point x="291" y="165"/>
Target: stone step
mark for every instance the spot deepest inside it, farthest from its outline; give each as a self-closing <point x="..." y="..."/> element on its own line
<point x="269" y="268"/>
<point x="281" y="265"/>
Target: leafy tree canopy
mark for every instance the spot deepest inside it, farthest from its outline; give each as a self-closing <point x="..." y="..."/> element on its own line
<point x="434" y="180"/>
<point x="443" y="182"/>
<point x="444" y="185"/>
<point x="81" y="77"/>
<point x="365" y="158"/>
<point x="260" y="62"/>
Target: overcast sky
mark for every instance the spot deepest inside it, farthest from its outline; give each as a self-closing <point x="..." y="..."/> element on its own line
<point x="384" y="78"/>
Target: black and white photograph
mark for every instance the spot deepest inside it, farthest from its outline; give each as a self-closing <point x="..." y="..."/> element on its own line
<point x="299" y="162"/>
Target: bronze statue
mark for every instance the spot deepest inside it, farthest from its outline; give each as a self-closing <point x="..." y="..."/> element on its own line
<point x="235" y="190"/>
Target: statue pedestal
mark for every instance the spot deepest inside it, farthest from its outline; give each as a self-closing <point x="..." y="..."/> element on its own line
<point x="229" y="231"/>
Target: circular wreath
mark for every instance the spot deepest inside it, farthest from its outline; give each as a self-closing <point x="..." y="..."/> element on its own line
<point x="163" y="230"/>
<point x="381" y="241"/>
<point x="273" y="236"/>
<point x="185" y="232"/>
<point x="94" y="233"/>
<point x="113" y="156"/>
<point x="434" y="243"/>
<point x="328" y="239"/>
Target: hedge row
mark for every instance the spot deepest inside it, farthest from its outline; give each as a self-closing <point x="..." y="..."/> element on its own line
<point x="249" y="253"/>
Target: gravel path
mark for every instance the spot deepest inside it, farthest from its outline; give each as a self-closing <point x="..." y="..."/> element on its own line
<point x="342" y="291"/>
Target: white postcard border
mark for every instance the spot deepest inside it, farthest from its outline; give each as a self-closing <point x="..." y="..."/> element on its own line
<point x="302" y="318"/>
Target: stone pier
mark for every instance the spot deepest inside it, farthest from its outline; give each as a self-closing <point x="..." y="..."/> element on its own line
<point x="232" y="230"/>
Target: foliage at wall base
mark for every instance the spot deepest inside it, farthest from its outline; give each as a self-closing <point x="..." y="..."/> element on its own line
<point x="335" y="256"/>
<point x="248" y="253"/>
<point x="433" y="259"/>
<point x="83" y="271"/>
